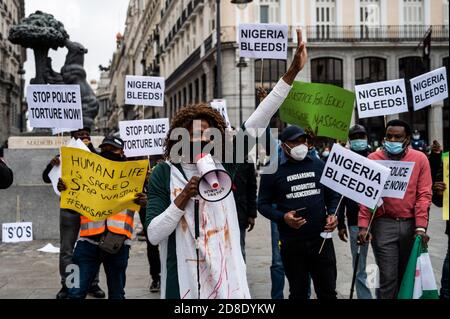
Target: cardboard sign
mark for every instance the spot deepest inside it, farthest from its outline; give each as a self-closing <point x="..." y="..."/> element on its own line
<point x="263" y="41"/>
<point x="55" y="106"/>
<point x="17" y="232"/>
<point x="381" y="98"/>
<point x="144" y="90"/>
<point x="354" y="176"/>
<point x="99" y="188"/>
<point x="324" y="108"/>
<point x="398" y="180"/>
<point x="221" y="106"/>
<point x="429" y="88"/>
<point x="144" y="137"/>
<point x="445" y="172"/>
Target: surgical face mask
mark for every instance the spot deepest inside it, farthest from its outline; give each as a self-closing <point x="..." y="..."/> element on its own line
<point x="394" y="147"/>
<point x="325" y="153"/>
<point x="298" y="152"/>
<point x="358" y="145"/>
<point x="416" y="136"/>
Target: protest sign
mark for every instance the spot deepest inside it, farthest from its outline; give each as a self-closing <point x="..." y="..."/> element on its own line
<point x="221" y="106"/>
<point x="381" y="98"/>
<point x="323" y="108"/>
<point x="17" y="232"/>
<point x="263" y="41"/>
<point x="445" y="173"/>
<point x="397" y="183"/>
<point x="429" y="88"/>
<point x="98" y="188"/>
<point x="55" y="106"/>
<point x="144" y="90"/>
<point x="354" y="176"/>
<point x="144" y="137"/>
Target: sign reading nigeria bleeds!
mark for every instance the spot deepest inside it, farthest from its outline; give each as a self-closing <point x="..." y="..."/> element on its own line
<point x="429" y="88"/>
<point x="324" y="108"/>
<point x="144" y="90"/>
<point x="98" y="188"/>
<point x="263" y="41"/>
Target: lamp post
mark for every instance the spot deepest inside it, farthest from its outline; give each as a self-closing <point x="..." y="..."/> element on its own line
<point x="218" y="52"/>
<point x="240" y="65"/>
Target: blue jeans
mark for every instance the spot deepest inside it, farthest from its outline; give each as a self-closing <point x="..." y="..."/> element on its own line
<point x="362" y="291"/>
<point x="88" y="257"/>
<point x="444" y="278"/>
<point x="277" y="268"/>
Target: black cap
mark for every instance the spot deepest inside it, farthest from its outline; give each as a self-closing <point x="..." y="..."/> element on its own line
<point x="355" y="129"/>
<point x="291" y="133"/>
<point x="113" y="141"/>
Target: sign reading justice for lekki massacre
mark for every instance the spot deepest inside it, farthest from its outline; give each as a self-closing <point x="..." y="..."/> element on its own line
<point x="144" y="90"/>
<point x="263" y="41"/>
<point x="98" y="188"/>
<point x="429" y="88"/>
<point x="398" y="180"/>
<point x="54" y="106"/>
<point x="354" y="176"/>
<point x="324" y="108"/>
<point x="381" y="98"/>
<point x="144" y="137"/>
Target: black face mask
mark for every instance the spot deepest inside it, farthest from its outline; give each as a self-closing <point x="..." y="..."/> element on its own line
<point x="112" y="156"/>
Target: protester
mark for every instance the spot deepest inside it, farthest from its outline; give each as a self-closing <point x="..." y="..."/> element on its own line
<point x="398" y="221"/>
<point x="170" y="208"/>
<point x="439" y="186"/>
<point x="357" y="136"/>
<point x="88" y="255"/>
<point x="303" y="211"/>
<point x="69" y="225"/>
<point x="417" y="143"/>
<point x="6" y="175"/>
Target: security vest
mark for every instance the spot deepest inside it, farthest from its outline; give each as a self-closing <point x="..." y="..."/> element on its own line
<point x="121" y="223"/>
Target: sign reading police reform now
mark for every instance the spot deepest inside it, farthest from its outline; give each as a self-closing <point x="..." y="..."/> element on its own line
<point x="381" y="98"/>
<point x="398" y="180"/>
<point x="263" y="41"/>
<point x="354" y="176"/>
<point x="55" y="106"/>
<point x="144" y="90"/>
<point x="429" y="88"/>
<point x="144" y="137"/>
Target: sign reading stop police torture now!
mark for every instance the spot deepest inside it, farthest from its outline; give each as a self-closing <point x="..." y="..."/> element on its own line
<point x="429" y="88"/>
<point x="144" y="90"/>
<point x="98" y="188"/>
<point x="354" y="176"/>
<point x="144" y="137"/>
<point x="55" y="106"/>
<point x="398" y="180"/>
<point x="381" y="98"/>
<point x="263" y="41"/>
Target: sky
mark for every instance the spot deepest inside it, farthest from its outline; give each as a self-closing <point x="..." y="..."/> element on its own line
<point x="93" y="23"/>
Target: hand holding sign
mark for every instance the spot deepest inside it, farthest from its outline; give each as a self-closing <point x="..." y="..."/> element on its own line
<point x="299" y="60"/>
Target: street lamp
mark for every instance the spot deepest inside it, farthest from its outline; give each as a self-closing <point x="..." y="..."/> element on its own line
<point x="241" y="64"/>
<point x="241" y="4"/>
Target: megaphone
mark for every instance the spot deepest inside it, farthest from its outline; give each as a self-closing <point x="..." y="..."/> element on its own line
<point x="215" y="184"/>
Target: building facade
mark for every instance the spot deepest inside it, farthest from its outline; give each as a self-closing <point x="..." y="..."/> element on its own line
<point x="12" y="58"/>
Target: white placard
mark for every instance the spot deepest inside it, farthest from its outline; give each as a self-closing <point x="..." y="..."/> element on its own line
<point x="17" y="232"/>
<point x="429" y="88"/>
<point x="354" y="176"/>
<point x="381" y="98"/>
<point x="54" y="106"/>
<point x="221" y="106"/>
<point x="144" y="90"/>
<point x="60" y="130"/>
<point x="263" y="41"/>
<point x="397" y="183"/>
<point x="144" y="137"/>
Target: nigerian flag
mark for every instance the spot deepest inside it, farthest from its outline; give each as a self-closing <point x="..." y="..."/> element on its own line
<point x="418" y="281"/>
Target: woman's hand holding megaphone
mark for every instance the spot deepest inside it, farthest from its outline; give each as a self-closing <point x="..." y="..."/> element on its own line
<point x="189" y="191"/>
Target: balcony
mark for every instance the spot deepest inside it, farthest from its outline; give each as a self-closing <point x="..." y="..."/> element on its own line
<point x="390" y="33"/>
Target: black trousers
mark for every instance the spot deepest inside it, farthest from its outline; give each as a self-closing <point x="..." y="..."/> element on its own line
<point x="152" y="251"/>
<point x="301" y="258"/>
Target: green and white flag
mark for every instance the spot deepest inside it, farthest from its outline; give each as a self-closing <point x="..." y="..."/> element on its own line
<point x="418" y="281"/>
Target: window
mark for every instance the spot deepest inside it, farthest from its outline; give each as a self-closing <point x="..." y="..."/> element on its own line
<point x="327" y="70"/>
<point x="264" y="14"/>
<point x="413" y="12"/>
<point x="445" y="13"/>
<point x="325" y="18"/>
<point x="368" y="70"/>
<point x="269" y="11"/>
<point x="369" y="14"/>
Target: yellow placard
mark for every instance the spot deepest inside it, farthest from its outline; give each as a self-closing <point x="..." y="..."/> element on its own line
<point x="445" y="203"/>
<point x="99" y="188"/>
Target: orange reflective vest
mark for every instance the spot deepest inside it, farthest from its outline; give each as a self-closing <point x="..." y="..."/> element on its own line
<point x="121" y="223"/>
